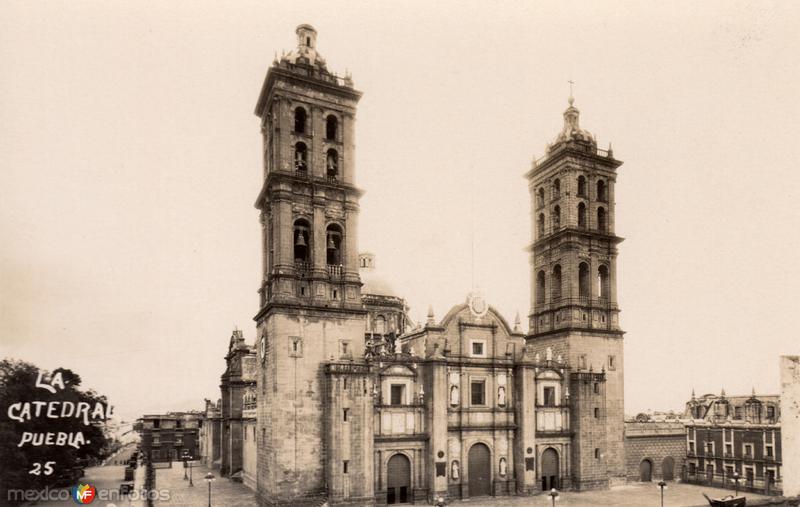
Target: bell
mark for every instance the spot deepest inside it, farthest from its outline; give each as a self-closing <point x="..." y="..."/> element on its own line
<point x="331" y="244"/>
<point x="301" y="241"/>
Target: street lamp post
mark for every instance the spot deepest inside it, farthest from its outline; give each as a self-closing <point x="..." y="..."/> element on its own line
<point x="662" y="485"/>
<point x="209" y="478"/>
<point x="185" y="466"/>
<point x="736" y="482"/>
<point x="553" y="495"/>
<point x="191" y="484"/>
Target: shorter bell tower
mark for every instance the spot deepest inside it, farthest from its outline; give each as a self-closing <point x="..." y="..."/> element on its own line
<point x="574" y="291"/>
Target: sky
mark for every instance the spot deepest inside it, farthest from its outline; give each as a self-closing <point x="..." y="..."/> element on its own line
<point x="130" y="162"/>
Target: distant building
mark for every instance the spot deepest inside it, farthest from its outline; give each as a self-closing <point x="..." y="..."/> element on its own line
<point x="727" y="435"/>
<point x="169" y="436"/>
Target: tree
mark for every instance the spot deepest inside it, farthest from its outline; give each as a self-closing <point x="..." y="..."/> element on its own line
<point x="18" y="385"/>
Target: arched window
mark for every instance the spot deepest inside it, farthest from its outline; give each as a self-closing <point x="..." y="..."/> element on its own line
<point x="556" y="217"/>
<point x="540" y="195"/>
<point x="581" y="186"/>
<point x="331" y="125"/>
<point x="302" y="245"/>
<point x="584" y="285"/>
<point x="601" y="219"/>
<point x="581" y="215"/>
<point x="540" y="286"/>
<point x="556" y="187"/>
<point x="603" y="287"/>
<point x="540" y="224"/>
<point x="300" y="157"/>
<point x="334" y="245"/>
<point x="601" y="191"/>
<point x="332" y="164"/>
<point x="555" y="284"/>
<point x="300" y="120"/>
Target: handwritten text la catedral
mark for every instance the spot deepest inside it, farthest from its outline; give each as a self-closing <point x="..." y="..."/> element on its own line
<point x="28" y="410"/>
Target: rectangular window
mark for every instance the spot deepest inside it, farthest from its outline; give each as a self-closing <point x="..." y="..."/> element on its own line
<point x="295" y="346"/>
<point x="582" y="362"/>
<point x="397" y="391"/>
<point x="596" y="412"/>
<point x="596" y="453"/>
<point x="769" y="451"/>
<point x="748" y="450"/>
<point x="596" y="388"/>
<point x="612" y="362"/>
<point x="478" y="392"/>
<point x="156" y="423"/>
<point x="477" y="348"/>
<point x="691" y="447"/>
<point x="549" y="396"/>
<point x="344" y="414"/>
<point x="344" y="466"/>
<point x="737" y="412"/>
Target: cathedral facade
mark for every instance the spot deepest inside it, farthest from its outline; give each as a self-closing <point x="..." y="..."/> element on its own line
<point x="356" y="405"/>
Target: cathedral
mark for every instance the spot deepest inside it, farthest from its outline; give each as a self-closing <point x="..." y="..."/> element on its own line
<point x="345" y="400"/>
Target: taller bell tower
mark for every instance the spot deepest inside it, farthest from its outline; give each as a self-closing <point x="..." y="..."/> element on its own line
<point x="310" y="313"/>
<point x="574" y="291"/>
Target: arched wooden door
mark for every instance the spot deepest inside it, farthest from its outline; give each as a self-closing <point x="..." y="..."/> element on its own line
<point x="550" y="469"/>
<point x="646" y="470"/>
<point x="398" y="481"/>
<point x="668" y="469"/>
<point x="479" y="471"/>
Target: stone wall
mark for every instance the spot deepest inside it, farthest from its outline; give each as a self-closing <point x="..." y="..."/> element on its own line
<point x="655" y="442"/>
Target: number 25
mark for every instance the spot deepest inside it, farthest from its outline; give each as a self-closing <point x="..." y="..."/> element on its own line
<point x="48" y="468"/>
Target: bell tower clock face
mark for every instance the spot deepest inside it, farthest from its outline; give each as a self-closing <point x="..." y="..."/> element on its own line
<point x="477" y="305"/>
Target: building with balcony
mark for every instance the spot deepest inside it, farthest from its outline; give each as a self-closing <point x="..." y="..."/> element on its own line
<point x="734" y="436"/>
<point x="170" y="436"/>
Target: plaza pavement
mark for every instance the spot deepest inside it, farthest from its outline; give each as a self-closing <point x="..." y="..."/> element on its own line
<point x="631" y="495"/>
<point x="226" y="493"/>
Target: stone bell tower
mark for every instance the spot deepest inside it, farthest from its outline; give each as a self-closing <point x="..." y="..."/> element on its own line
<point x="574" y="292"/>
<point x="310" y="311"/>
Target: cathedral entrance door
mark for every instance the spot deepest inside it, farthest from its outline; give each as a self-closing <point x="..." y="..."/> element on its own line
<point x="479" y="471"/>
<point x="645" y="471"/>
<point x="399" y="479"/>
<point x="549" y="469"/>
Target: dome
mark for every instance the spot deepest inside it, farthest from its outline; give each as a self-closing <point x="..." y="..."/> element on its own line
<point x="572" y="130"/>
<point x="306" y="51"/>
<point x="373" y="281"/>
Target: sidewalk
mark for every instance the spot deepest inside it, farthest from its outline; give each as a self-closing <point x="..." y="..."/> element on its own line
<point x="170" y="482"/>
